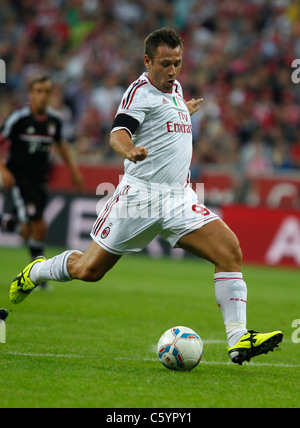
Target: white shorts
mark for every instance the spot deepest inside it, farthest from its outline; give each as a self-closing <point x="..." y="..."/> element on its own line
<point x="138" y="211"/>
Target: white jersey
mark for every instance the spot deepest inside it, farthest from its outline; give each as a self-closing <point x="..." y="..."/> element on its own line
<point x="165" y="131"/>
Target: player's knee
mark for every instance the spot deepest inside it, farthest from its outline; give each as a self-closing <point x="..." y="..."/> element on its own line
<point x="38" y="229"/>
<point x="24" y="231"/>
<point x="235" y="258"/>
<point x="236" y="255"/>
<point x="231" y="256"/>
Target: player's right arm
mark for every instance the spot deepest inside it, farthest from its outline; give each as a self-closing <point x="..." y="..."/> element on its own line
<point x="7" y="180"/>
<point x="122" y="143"/>
<point x="130" y="115"/>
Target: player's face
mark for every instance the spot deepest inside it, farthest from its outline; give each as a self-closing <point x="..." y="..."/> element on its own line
<point x="165" y="67"/>
<point x="40" y="96"/>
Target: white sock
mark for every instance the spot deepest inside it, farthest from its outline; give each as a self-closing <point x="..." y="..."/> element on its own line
<point x="52" y="269"/>
<point x="231" y="295"/>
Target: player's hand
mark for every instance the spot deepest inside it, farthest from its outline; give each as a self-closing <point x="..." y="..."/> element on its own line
<point x="78" y="181"/>
<point x="7" y="180"/>
<point x="137" y="154"/>
<point x="193" y="105"/>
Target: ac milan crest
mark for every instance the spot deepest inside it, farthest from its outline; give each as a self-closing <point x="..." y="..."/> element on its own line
<point x="105" y="232"/>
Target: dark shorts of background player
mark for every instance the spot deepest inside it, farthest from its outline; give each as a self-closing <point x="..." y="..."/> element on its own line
<point x="32" y="196"/>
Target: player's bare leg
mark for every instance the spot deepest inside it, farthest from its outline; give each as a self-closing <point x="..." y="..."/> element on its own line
<point x="24" y="230"/>
<point x="35" y="233"/>
<point x="91" y="265"/>
<point x="37" y="237"/>
<point x="36" y="242"/>
<point x="38" y="229"/>
<point x="71" y="264"/>
<point x="218" y="244"/>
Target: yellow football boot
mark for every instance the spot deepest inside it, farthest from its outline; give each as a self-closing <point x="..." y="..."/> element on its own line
<point x="22" y="284"/>
<point x="252" y="344"/>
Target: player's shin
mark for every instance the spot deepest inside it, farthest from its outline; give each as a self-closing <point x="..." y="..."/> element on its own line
<point x="52" y="269"/>
<point x="231" y="295"/>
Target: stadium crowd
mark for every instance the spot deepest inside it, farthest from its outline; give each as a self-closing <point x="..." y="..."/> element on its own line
<point x="238" y="56"/>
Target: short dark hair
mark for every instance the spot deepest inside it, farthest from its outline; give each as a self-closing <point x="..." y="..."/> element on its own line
<point x="39" y="78"/>
<point x="163" y="36"/>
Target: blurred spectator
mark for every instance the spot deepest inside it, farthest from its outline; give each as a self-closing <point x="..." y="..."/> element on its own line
<point x="295" y="153"/>
<point x="89" y="136"/>
<point x="106" y="99"/>
<point x="256" y="159"/>
<point x="65" y="112"/>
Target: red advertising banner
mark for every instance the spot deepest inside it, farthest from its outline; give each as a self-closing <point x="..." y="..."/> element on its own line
<point x="270" y="237"/>
<point x="272" y="190"/>
<point x="60" y="180"/>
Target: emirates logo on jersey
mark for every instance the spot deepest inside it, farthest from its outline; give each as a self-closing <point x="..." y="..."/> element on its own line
<point x="182" y="128"/>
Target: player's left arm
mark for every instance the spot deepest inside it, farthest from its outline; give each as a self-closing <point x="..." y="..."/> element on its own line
<point x="66" y="155"/>
<point x="193" y="105"/>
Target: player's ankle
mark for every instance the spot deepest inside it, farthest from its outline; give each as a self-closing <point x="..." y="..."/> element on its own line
<point x="235" y="330"/>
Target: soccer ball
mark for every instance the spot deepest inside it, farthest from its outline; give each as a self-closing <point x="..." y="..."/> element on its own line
<point x="180" y="348"/>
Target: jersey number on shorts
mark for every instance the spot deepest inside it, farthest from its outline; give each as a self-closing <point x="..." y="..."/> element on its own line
<point x="200" y="209"/>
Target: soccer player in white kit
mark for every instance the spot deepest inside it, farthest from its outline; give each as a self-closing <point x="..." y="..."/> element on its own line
<point x="152" y="131"/>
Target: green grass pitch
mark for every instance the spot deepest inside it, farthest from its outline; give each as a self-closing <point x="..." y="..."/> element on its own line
<point x="93" y="345"/>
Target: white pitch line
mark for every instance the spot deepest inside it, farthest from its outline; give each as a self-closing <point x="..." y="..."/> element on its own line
<point x="224" y="363"/>
<point x="46" y="355"/>
<point x="216" y="363"/>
